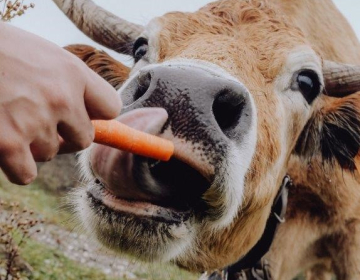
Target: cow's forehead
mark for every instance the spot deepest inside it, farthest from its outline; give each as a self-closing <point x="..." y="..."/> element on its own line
<point x="229" y="33"/>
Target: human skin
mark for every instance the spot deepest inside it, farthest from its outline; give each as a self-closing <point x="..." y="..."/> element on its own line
<point x="48" y="98"/>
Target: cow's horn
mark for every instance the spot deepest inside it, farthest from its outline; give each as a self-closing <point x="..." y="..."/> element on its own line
<point x="341" y="79"/>
<point x="101" y="25"/>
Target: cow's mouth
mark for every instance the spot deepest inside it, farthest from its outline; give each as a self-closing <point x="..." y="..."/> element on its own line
<point x="146" y="188"/>
<point x="184" y="183"/>
<point x="169" y="192"/>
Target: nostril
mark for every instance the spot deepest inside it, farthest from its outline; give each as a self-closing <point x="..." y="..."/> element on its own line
<point x="144" y="80"/>
<point x="227" y="108"/>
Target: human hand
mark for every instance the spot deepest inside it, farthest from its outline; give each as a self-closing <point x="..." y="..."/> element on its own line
<point x="47" y="100"/>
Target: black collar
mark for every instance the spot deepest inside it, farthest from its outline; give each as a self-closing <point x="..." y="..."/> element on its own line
<point x="252" y="260"/>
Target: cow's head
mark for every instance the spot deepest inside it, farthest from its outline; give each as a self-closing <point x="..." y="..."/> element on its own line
<point x="233" y="86"/>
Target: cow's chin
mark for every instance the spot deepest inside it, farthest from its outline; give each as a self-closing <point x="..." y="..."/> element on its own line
<point x="154" y="229"/>
<point x="141" y="229"/>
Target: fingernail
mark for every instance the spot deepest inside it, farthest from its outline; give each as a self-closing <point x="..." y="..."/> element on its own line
<point x="29" y="180"/>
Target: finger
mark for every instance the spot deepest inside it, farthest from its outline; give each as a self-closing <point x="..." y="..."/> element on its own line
<point x="67" y="147"/>
<point x="45" y="148"/>
<point x="77" y="132"/>
<point x="19" y="165"/>
<point x="101" y="99"/>
<point x="62" y="146"/>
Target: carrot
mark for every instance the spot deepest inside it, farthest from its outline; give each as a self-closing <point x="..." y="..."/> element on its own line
<point x="120" y="136"/>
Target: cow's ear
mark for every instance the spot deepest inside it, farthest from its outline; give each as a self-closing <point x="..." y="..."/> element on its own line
<point x="333" y="132"/>
<point x="110" y="69"/>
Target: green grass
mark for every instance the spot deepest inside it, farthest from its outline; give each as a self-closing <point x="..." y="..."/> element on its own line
<point x="51" y="264"/>
<point x="166" y="272"/>
<point x="35" y="198"/>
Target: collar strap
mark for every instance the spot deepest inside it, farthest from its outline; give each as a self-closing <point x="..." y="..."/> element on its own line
<point x="277" y="216"/>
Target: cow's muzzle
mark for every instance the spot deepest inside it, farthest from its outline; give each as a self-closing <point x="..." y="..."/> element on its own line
<point x="200" y="111"/>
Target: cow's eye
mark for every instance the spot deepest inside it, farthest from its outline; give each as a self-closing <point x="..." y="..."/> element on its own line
<point x="308" y="83"/>
<point x="140" y="48"/>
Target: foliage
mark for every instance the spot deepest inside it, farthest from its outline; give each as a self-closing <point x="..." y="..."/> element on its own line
<point x="17" y="225"/>
<point x="12" y="9"/>
<point x="36" y="198"/>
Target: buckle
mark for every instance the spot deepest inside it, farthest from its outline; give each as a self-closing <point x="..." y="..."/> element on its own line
<point x="281" y="200"/>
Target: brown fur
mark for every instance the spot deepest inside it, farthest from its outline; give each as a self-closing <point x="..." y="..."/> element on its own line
<point x="235" y="35"/>
<point x="322" y="229"/>
<point x="110" y="69"/>
<point x="321" y="232"/>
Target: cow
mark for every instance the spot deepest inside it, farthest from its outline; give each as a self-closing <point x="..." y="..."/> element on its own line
<point x="248" y="91"/>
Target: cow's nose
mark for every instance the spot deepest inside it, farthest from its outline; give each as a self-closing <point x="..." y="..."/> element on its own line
<point x="206" y="114"/>
<point x="192" y="94"/>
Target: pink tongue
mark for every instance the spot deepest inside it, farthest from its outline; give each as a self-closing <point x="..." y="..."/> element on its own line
<point x="114" y="167"/>
<point x="149" y="120"/>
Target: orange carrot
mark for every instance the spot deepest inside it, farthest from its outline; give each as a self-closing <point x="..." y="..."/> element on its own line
<point x="120" y="136"/>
